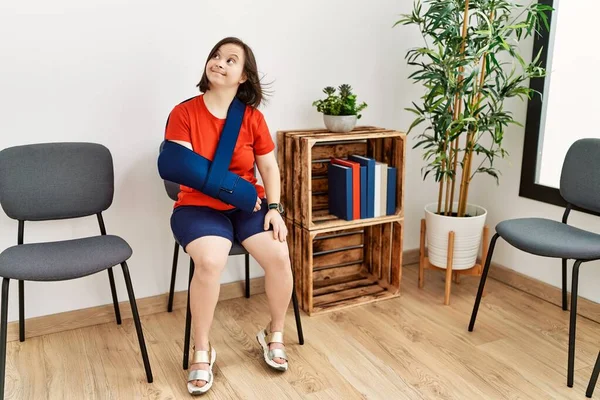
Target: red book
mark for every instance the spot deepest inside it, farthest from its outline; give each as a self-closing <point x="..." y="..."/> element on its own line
<point x="355" y="184"/>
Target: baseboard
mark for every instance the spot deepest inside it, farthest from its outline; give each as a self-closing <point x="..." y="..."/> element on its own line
<point x="65" y="321"/>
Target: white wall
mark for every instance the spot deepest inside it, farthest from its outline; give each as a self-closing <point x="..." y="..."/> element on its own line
<point x="110" y="71"/>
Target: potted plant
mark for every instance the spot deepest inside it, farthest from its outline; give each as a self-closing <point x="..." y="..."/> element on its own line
<point x="469" y="66"/>
<point x="340" y="112"/>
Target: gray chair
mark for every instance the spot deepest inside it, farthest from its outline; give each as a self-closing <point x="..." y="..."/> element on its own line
<point x="53" y="181"/>
<point x="579" y="187"/>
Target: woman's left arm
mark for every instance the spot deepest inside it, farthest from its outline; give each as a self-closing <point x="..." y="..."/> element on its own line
<point x="269" y="171"/>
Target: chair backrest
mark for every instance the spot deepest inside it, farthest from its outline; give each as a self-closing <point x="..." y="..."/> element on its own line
<point x="580" y="176"/>
<point x="50" y="181"/>
<point x="172" y="188"/>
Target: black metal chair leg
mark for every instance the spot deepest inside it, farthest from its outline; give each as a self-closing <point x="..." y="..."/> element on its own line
<point x="486" y="268"/>
<point x="594" y="378"/>
<point x="564" y="284"/>
<point x="573" y="324"/>
<point x="3" y="329"/>
<point x="188" y="321"/>
<point x="297" y="315"/>
<point x="173" y="275"/>
<point x="113" y="289"/>
<point x="21" y="311"/>
<point x="136" y="320"/>
<point x="247" y="256"/>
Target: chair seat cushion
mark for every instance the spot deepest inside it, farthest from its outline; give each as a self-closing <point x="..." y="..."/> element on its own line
<point x="550" y="238"/>
<point x="63" y="260"/>
<point x="237" y="249"/>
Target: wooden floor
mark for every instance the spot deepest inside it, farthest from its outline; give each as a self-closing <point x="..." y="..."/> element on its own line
<point x="411" y="347"/>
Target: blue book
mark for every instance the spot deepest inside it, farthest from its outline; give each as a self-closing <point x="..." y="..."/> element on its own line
<point x="392" y="178"/>
<point x="370" y="164"/>
<point x="363" y="192"/>
<point x="340" y="191"/>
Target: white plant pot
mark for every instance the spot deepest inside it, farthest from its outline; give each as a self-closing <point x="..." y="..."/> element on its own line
<point x="467" y="236"/>
<point x="340" y="123"/>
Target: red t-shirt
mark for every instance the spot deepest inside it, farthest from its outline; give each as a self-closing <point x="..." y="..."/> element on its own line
<point x="191" y="122"/>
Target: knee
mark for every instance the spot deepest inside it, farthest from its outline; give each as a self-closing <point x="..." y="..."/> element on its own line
<point x="280" y="259"/>
<point x="208" y="266"/>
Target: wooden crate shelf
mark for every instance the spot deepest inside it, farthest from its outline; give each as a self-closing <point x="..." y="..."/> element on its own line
<point x="303" y="157"/>
<point x="339" y="268"/>
<point x="338" y="263"/>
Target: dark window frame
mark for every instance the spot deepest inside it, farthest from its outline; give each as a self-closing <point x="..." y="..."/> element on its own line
<point x="528" y="187"/>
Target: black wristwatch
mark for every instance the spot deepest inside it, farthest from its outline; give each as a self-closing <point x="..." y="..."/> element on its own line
<point x="276" y="206"/>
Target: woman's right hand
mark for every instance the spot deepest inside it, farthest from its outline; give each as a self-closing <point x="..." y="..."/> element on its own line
<point x="257" y="205"/>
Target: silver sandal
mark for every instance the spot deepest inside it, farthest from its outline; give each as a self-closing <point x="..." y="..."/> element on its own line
<point x="202" y="357"/>
<point x="265" y="338"/>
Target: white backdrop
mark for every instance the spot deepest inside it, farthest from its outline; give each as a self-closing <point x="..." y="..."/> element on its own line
<point x="110" y="71"/>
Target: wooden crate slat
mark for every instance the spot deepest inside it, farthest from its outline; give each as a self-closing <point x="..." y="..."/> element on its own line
<point x="355" y="136"/>
<point x="320" y="201"/>
<point x="347" y="294"/>
<point x="357" y="283"/>
<point x="294" y="184"/>
<point x="307" y="251"/>
<point x="399" y="154"/>
<point x="343" y="304"/>
<point x="332" y="273"/>
<point x="320" y="184"/>
<point x="338" y="242"/>
<point x="386" y="253"/>
<point x="338" y="150"/>
<point x="368" y="248"/>
<point x="320" y="168"/>
<point x="397" y="240"/>
<point x="375" y="244"/>
<point x="323" y="216"/>
<point x="319" y="284"/>
<point x="329" y="260"/>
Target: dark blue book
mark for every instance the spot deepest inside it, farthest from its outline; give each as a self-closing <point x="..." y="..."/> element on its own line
<point x="370" y="164"/>
<point x="340" y="191"/>
<point x="392" y="178"/>
<point x="363" y="192"/>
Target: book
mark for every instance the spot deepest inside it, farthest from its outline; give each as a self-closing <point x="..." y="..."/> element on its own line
<point x="392" y="180"/>
<point x="383" y="170"/>
<point x="363" y="192"/>
<point x="340" y="191"/>
<point x="355" y="183"/>
<point x="369" y="163"/>
<point x="377" y="196"/>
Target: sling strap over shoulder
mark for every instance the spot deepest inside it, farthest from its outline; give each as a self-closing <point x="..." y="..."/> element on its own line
<point x="217" y="181"/>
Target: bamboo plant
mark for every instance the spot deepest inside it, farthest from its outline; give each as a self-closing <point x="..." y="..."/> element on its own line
<point x="469" y="66"/>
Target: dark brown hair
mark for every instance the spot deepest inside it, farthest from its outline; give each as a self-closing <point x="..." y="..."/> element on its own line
<point x="251" y="91"/>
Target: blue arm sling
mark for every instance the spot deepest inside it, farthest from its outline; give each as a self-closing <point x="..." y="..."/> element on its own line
<point x="177" y="163"/>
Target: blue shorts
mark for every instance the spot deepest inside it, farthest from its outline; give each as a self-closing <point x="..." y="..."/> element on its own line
<point x="189" y="223"/>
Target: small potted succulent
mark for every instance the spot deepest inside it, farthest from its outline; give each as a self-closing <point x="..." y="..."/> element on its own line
<point x="340" y="111"/>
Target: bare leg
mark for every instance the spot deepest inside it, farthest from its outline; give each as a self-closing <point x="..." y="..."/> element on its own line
<point x="274" y="258"/>
<point x="210" y="256"/>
